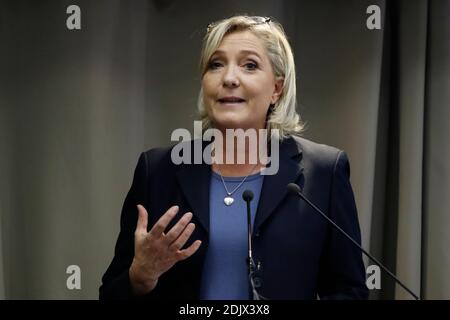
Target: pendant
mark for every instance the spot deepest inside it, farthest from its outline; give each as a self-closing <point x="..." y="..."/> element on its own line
<point x="228" y="200"/>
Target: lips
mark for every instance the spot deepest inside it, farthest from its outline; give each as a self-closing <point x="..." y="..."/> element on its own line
<point x="231" y="100"/>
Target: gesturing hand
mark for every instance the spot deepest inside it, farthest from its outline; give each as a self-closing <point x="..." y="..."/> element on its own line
<point x="155" y="252"/>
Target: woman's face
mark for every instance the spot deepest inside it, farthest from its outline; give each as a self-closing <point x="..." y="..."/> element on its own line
<point x="239" y="84"/>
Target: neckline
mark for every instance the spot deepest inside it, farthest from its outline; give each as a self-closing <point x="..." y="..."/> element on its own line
<point x="236" y="179"/>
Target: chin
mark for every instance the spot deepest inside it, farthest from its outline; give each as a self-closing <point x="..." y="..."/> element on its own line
<point x="232" y="124"/>
<point x="232" y="119"/>
<point x="228" y="124"/>
<point x="228" y="119"/>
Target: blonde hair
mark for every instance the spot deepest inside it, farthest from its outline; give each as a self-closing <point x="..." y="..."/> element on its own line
<point x="283" y="116"/>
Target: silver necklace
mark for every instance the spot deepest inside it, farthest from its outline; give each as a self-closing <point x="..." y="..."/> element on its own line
<point x="228" y="200"/>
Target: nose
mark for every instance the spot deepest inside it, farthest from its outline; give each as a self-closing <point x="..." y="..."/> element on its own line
<point x="230" y="78"/>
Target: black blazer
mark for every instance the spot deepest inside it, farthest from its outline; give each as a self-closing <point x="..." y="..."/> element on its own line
<point x="300" y="254"/>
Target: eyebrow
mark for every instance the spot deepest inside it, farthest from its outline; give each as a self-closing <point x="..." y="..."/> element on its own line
<point x="242" y="51"/>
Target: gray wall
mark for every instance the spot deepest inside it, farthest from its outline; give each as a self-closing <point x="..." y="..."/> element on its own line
<point x="77" y="108"/>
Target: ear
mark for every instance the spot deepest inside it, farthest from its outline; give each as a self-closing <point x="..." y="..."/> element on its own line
<point x="279" y="85"/>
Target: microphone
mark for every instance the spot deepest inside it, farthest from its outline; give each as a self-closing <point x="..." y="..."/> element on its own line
<point x="295" y="189"/>
<point x="247" y="195"/>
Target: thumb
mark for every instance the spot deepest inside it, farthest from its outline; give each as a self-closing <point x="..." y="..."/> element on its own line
<point x="142" y="219"/>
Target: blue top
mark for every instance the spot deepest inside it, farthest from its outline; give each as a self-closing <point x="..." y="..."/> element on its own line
<point x="225" y="274"/>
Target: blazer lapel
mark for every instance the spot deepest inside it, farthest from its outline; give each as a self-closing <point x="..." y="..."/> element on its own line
<point x="194" y="180"/>
<point x="274" y="187"/>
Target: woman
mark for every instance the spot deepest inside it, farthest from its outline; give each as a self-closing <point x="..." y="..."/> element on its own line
<point x="184" y="227"/>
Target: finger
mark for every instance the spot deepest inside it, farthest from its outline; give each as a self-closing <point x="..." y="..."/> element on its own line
<point x="186" y="253"/>
<point x="163" y="222"/>
<point x="142" y="219"/>
<point x="184" y="236"/>
<point x="177" y="229"/>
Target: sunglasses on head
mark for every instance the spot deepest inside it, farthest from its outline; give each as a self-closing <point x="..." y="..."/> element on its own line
<point x="256" y="21"/>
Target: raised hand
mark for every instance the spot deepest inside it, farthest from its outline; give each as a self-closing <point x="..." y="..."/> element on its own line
<point x="155" y="252"/>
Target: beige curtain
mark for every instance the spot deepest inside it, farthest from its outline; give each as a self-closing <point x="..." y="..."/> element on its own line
<point x="77" y="108"/>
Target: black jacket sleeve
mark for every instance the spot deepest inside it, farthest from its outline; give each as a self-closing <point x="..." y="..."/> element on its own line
<point x="342" y="274"/>
<point x="116" y="281"/>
